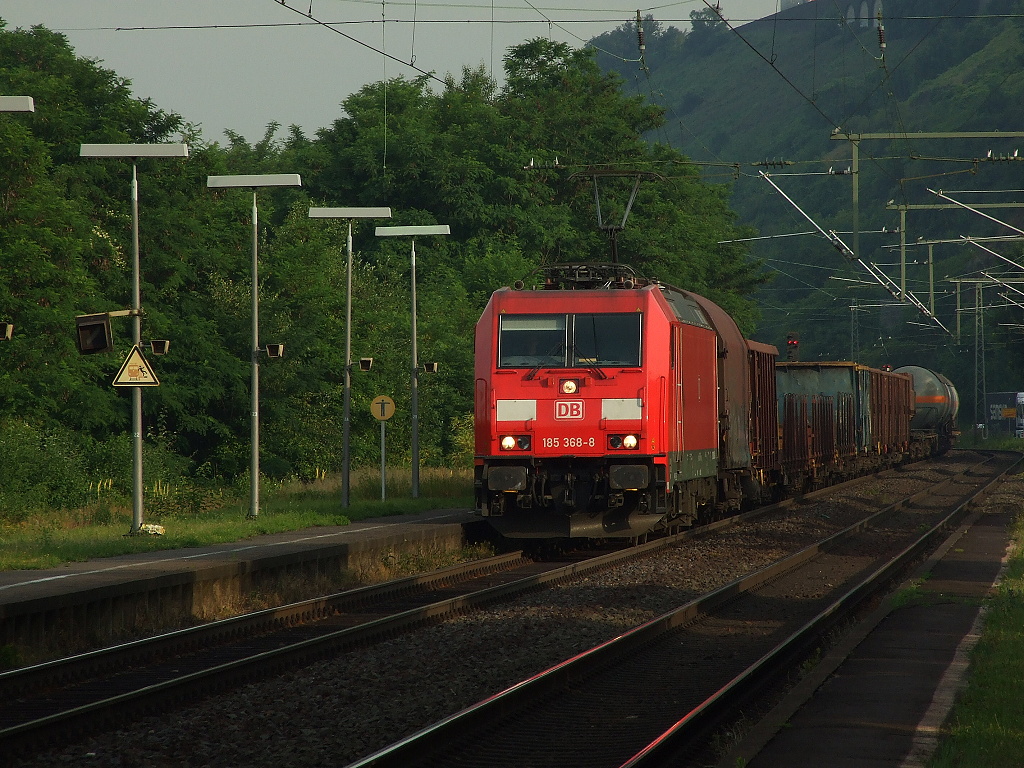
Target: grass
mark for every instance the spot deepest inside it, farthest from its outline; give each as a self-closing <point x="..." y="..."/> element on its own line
<point x="998" y="441"/>
<point x="47" y="540"/>
<point x="986" y="728"/>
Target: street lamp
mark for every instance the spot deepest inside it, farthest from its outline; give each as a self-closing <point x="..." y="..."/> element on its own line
<point x="134" y="152"/>
<point x="350" y="214"/>
<point x="14" y="104"/>
<point x="439" y="229"/>
<point x="17" y="104"/>
<point x="253" y="182"/>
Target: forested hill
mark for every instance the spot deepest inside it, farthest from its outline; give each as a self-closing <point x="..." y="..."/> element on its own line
<point x="777" y="87"/>
<point x="774" y="91"/>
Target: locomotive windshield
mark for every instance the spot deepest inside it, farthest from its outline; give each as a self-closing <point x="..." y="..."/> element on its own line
<point x="569" y="341"/>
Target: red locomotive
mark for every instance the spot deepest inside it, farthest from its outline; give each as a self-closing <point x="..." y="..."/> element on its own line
<point x="612" y="406"/>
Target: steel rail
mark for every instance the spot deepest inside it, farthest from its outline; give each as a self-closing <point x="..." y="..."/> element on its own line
<point x="154" y="697"/>
<point x="29" y="681"/>
<point x="660" y="751"/>
<point x="157" y="696"/>
<point x="564" y="675"/>
<point x="14" y="683"/>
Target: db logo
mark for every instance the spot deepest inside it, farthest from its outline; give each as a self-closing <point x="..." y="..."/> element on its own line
<point x="568" y="409"/>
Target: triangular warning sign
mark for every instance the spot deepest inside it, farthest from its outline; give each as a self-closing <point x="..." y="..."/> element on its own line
<point x="136" y="371"/>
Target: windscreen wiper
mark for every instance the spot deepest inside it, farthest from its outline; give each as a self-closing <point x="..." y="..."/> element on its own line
<point x="534" y="371"/>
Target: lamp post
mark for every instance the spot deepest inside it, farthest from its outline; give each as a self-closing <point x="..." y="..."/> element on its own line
<point x="14" y="104"/>
<point x="134" y="152"/>
<point x="413" y="232"/>
<point x="253" y="182"/>
<point x="17" y="104"/>
<point x="350" y="214"/>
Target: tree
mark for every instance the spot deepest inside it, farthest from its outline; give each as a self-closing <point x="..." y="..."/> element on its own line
<point x="506" y="167"/>
<point x="708" y="31"/>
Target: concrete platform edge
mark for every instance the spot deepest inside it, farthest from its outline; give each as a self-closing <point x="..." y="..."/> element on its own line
<point x="74" y="611"/>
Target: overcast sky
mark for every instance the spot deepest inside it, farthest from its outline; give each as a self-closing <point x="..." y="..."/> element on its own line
<point x="241" y="64"/>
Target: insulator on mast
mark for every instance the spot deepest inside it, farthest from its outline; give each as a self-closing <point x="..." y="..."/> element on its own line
<point x="640" y="32"/>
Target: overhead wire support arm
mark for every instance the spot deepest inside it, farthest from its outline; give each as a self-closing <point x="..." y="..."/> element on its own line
<point x="837" y="242"/>
<point x="1003" y="283"/>
<point x="975" y="210"/>
<point x="834" y="240"/>
<point x="976" y="244"/>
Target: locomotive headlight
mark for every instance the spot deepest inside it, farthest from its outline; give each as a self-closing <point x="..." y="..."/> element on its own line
<point x="515" y="442"/>
<point x="569" y="386"/>
<point x="623" y="442"/>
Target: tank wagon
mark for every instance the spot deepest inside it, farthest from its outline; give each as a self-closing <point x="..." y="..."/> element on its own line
<point x="937" y="404"/>
<point x="610" y="406"/>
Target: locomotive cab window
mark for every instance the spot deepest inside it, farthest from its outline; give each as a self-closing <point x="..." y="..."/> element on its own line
<point x="606" y="340"/>
<point x="569" y="341"/>
<point x="531" y="340"/>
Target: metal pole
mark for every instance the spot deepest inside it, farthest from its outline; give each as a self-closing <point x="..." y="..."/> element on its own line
<point x="903" y="254"/>
<point x="855" y="152"/>
<point x="137" y="488"/>
<point x="854" y="331"/>
<point x="383" y="463"/>
<point x="347" y="412"/>
<point x="978" y="404"/>
<point x="931" y="279"/>
<point x="415" y="388"/>
<point x="254" y="469"/>
<point x="957" y="282"/>
<point x="981" y="337"/>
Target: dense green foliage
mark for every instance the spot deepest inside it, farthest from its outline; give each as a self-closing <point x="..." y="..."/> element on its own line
<point x="776" y="89"/>
<point x="497" y="164"/>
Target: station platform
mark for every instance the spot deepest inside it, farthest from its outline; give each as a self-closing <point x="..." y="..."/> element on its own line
<point x="881" y="697"/>
<point x="88" y="604"/>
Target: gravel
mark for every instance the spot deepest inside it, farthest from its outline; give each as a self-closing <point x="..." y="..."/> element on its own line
<point x="335" y="712"/>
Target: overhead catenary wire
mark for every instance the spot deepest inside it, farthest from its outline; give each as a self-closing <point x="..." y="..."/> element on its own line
<point x="357" y="41"/>
<point x="844" y="249"/>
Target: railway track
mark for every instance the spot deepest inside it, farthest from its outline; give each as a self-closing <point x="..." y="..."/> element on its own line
<point x="70" y="697"/>
<point x="65" y="699"/>
<point x="652" y="696"/>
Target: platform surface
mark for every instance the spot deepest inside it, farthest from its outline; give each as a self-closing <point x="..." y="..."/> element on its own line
<point x="884" y="704"/>
<point x="22" y="585"/>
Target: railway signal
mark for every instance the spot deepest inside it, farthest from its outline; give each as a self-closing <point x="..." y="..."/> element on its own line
<point x="793" y="347"/>
<point x="92" y="333"/>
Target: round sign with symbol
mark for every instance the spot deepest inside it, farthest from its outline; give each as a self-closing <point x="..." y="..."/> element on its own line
<point x="382" y="408"/>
